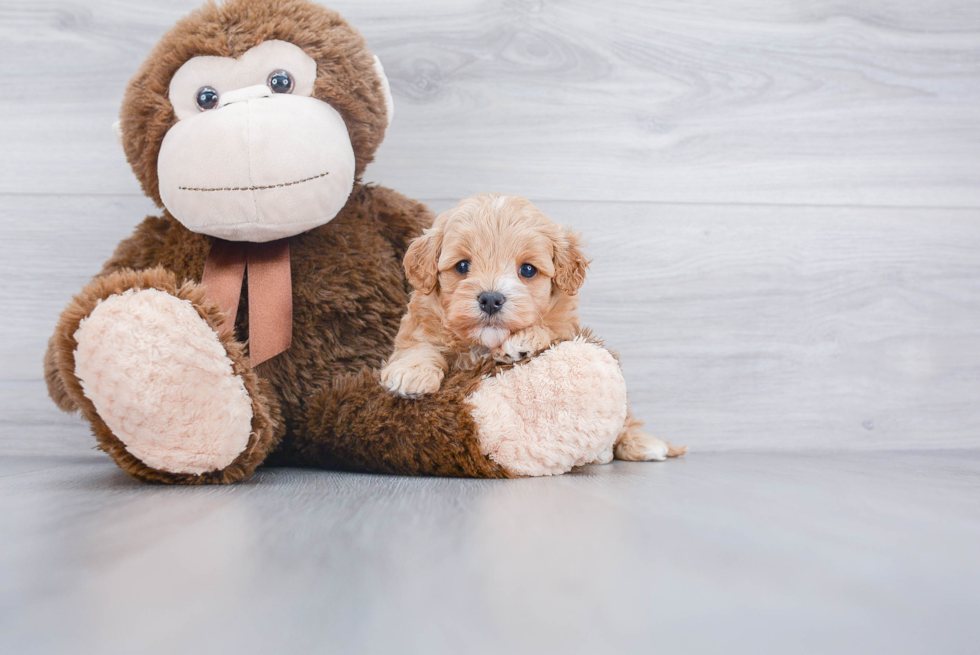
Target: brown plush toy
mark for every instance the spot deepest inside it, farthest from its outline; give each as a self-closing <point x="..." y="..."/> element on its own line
<point x="245" y="325"/>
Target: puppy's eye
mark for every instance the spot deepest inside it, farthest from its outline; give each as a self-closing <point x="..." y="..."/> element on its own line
<point x="463" y="267"/>
<point x="207" y="98"/>
<point x="528" y="271"/>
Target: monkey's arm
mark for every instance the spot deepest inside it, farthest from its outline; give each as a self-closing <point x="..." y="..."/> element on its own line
<point x="543" y="417"/>
<point x="356" y="424"/>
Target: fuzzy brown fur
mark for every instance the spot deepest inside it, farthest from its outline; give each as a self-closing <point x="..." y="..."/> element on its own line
<point x="352" y="426"/>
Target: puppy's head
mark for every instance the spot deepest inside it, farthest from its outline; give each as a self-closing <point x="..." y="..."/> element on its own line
<point x="496" y="265"/>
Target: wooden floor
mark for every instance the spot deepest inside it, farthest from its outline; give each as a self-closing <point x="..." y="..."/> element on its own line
<point x="782" y="200"/>
<point x="718" y="553"/>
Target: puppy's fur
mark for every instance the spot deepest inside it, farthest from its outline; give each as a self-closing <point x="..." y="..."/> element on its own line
<point x="509" y="248"/>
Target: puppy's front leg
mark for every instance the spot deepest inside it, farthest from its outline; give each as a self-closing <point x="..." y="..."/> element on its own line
<point x="635" y="445"/>
<point x="414" y="371"/>
<point x="522" y="344"/>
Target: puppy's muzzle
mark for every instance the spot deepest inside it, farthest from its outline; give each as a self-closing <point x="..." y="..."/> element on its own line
<point x="491" y="302"/>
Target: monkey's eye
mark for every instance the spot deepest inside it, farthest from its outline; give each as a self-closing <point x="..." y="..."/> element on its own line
<point x="280" y="81"/>
<point x="207" y="98"/>
<point x="463" y="267"/>
<point x="528" y="271"/>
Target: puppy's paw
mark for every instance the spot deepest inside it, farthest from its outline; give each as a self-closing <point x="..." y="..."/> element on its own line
<point x="637" y="446"/>
<point x="520" y="346"/>
<point x="411" y="380"/>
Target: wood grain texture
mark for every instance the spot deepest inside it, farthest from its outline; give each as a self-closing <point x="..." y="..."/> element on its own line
<point x="790" y="326"/>
<point x="720" y="553"/>
<point x="820" y="102"/>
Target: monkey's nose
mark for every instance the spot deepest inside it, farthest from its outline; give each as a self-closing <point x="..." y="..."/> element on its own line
<point x="491" y="302"/>
<point x="247" y="93"/>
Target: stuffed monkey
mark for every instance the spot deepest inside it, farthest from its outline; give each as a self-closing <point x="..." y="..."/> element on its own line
<point x="245" y="323"/>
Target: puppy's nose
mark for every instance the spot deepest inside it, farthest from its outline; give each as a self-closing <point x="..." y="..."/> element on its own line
<point x="491" y="302"/>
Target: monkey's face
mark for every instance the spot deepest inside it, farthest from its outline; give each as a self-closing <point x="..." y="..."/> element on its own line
<point x="253" y="156"/>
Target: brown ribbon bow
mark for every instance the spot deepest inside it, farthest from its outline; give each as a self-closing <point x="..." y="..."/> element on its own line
<point x="270" y="292"/>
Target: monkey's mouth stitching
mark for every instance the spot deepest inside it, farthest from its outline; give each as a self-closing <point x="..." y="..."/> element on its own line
<point x="252" y="188"/>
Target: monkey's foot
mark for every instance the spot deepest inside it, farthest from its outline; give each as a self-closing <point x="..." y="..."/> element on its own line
<point x="161" y="380"/>
<point x="563" y="408"/>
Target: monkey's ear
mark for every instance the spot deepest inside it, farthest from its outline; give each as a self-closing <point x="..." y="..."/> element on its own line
<point x="422" y="260"/>
<point x="386" y="88"/>
<point x="570" y="262"/>
<point x="117" y="130"/>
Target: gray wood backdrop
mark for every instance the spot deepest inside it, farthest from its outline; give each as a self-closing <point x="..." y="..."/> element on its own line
<point x="782" y="197"/>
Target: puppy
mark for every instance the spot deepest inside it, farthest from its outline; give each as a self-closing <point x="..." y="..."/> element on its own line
<point x="494" y="277"/>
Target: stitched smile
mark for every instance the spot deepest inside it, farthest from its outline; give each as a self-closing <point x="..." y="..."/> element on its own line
<point x="252" y="188"/>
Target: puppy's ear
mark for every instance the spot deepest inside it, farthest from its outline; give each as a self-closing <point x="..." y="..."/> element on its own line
<point x="570" y="262"/>
<point x="422" y="260"/>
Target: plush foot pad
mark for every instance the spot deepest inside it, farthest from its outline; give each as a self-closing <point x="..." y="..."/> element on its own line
<point x="562" y="409"/>
<point x="163" y="383"/>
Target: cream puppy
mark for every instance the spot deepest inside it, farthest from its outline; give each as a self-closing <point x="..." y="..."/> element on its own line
<point x="494" y="277"/>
